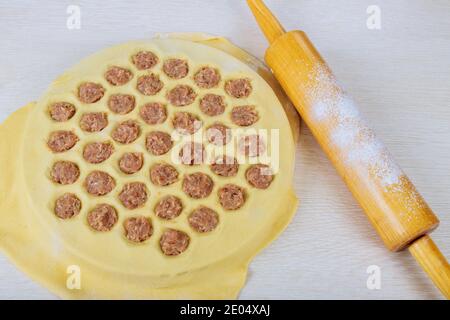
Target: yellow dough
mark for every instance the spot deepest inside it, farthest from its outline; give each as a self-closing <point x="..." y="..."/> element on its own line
<point x="214" y="266"/>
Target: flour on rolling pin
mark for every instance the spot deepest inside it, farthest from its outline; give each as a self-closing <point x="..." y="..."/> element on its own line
<point x="390" y="201"/>
<point x="353" y="139"/>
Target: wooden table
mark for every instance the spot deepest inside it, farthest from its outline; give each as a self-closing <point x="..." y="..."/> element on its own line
<point x="399" y="75"/>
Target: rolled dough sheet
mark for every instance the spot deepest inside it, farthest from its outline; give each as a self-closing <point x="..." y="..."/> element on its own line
<point x="61" y="254"/>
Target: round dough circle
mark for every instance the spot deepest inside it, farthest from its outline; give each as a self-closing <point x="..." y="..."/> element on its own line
<point x="241" y="233"/>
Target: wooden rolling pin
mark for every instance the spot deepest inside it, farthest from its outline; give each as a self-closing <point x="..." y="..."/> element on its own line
<point x="394" y="207"/>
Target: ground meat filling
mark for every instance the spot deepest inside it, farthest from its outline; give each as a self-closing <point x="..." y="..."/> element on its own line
<point x="144" y="60"/>
<point x="169" y="207"/>
<point x="131" y="162"/>
<point x="186" y="123"/>
<point x="207" y="77"/>
<point x="138" y="229"/>
<point x="99" y="183"/>
<point x="102" y="218"/>
<point x="60" y="141"/>
<point x="231" y="197"/>
<point x="153" y="113"/>
<point x="158" y="142"/>
<point x="61" y="111"/>
<point x="259" y="176"/>
<point x="133" y="195"/>
<point x="197" y="185"/>
<point x="225" y="166"/>
<point x="238" y="88"/>
<point x="118" y="76"/>
<point x="182" y="95"/>
<point x="97" y="152"/>
<point x="212" y="104"/>
<point x="121" y="103"/>
<point x="252" y="145"/>
<point x="218" y="134"/>
<point x="203" y="219"/>
<point x="67" y="206"/>
<point x="65" y="172"/>
<point x="126" y="132"/>
<point x="149" y="85"/>
<point x="192" y="153"/>
<point x="244" y="116"/>
<point x="176" y="68"/>
<point x="90" y="92"/>
<point x="163" y="174"/>
<point x="173" y="242"/>
<point x="93" y="121"/>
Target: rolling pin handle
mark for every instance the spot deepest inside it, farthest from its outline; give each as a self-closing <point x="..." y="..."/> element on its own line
<point x="268" y="23"/>
<point x="396" y="210"/>
<point x="433" y="262"/>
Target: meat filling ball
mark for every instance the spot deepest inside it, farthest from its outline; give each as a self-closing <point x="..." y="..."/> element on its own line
<point x="138" y="229"/>
<point x="99" y="183"/>
<point x="174" y="242"/>
<point x="163" y="174"/>
<point x="197" y="185"/>
<point x="158" y="142"/>
<point x="131" y="162"/>
<point x="225" y="166"/>
<point x="94" y="121"/>
<point x="121" y="103"/>
<point x="259" y="176"/>
<point x="212" y="104"/>
<point x="60" y="141"/>
<point x="90" y="92"/>
<point x="182" y="95"/>
<point x="186" y="123"/>
<point x="118" y="76"/>
<point x="102" y="218"/>
<point x="192" y="153"/>
<point x="169" y="207"/>
<point x="153" y="113"/>
<point x="65" y="172"/>
<point x="207" y="77"/>
<point x="145" y="60"/>
<point x="67" y="206"/>
<point x="244" y="116"/>
<point x="97" y="152"/>
<point x="218" y="134"/>
<point x="133" y="195"/>
<point x="231" y="197"/>
<point x="126" y="132"/>
<point x="176" y="68"/>
<point x="149" y="85"/>
<point x="203" y="219"/>
<point x="62" y="111"/>
<point x="238" y="88"/>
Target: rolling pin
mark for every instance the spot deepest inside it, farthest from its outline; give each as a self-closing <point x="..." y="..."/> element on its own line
<point x="396" y="210"/>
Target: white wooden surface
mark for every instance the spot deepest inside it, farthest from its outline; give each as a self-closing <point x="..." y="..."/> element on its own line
<point x="400" y="75"/>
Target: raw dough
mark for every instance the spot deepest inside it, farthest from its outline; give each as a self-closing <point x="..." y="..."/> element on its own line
<point x="48" y="248"/>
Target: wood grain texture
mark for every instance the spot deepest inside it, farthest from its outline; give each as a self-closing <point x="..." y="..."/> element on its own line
<point x="428" y="255"/>
<point x="398" y="75"/>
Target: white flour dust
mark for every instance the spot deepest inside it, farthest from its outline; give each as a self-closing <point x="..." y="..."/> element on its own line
<point x="349" y="134"/>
